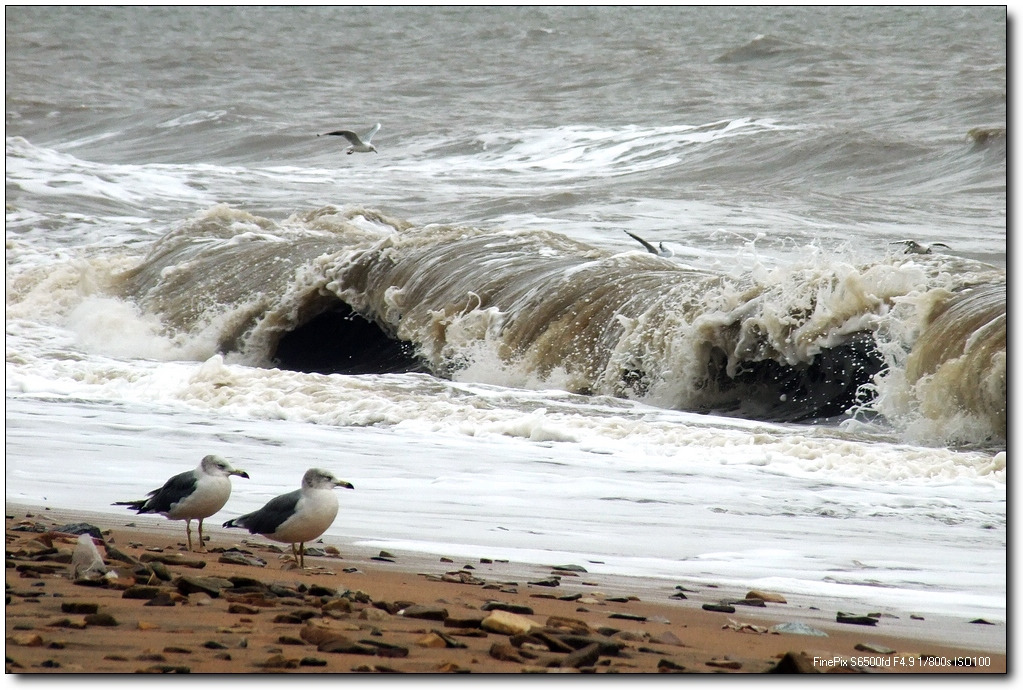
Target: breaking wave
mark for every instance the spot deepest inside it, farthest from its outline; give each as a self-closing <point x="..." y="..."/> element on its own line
<point x="353" y="291"/>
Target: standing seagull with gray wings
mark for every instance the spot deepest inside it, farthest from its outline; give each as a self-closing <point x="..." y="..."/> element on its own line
<point x="192" y="495"/>
<point x="298" y="516"/>
<point x="359" y="144"/>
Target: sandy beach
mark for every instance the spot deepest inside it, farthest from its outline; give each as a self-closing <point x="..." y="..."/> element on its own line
<point x="243" y="606"/>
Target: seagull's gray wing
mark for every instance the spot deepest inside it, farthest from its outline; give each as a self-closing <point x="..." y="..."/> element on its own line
<point x="161" y="500"/>
<point x="649" y="247"/>
<point x="347" y="134"/>
<point x="267" y="519"/>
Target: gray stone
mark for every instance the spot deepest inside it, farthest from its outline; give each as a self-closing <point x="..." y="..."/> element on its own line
<point x="427" y="612"/>
<point x="719" y="608"/>
<point x="238" y="558"/>
<point x="386" y="650"/>
<point x="140" y="592"/>
<point x="190" y="584"/>
<point x="627" y="616"/>
<point x="873" y="648"/>
<point x="549" y="582"/>
<point x="78" y="528"/>
<point x="505" y="606"/>
<point x="463" y="621"/>
<point x="797" y="628"/>
<point x="173" y="559"/>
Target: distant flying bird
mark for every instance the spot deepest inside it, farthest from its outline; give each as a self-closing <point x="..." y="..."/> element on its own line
<point x="359" y="144"/>
<point x="913" y="247"/>
<point x="299" y="516"/>
<point x="192" y="495"/>
<point x="660" y="250"/>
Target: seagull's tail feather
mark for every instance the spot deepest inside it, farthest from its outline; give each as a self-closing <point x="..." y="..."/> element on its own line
<point x="134" y="505"/>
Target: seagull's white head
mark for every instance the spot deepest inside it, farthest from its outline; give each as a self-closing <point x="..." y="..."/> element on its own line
<point x="216" y="466"/>
<point x="322" y="479"/>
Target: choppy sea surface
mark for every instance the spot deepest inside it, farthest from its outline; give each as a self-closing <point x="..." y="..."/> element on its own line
<point x="776" y="392"/>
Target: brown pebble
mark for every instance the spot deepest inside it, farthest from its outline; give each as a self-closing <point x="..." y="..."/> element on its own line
<point x="242" y="609"/>
<point x="587" y="656"/>
<point x="669" y="666"/>
<point x="141" y="592"/>
<point x="432" y="640"/>
<point x="104" y="619"/>
<point x="507" y="623"/>
<point x="278" y="661"/>
<point x="163" y="668"/>
<point x="26" y="640"/>
<point x="162" y="599"/>
<point x="463" y="621"/>
<point x="343" y="645"/>
<point x="385" y="649"/>
<point x="338" y="606"/>
<point x="78" y="607"/>
<point x="724" y="663"/>
<point x="502" y="651"/>
<point x="666" y="637"/>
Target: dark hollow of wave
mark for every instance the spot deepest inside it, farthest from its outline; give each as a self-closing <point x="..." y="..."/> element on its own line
<point x="340" y="341"/>
<point x="828" y="386"/>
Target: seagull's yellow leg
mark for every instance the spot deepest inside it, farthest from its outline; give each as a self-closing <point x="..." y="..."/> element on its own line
<point x="202" y="542"/>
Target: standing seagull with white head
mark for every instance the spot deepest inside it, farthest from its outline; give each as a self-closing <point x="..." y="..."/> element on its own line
<point x="193" y="495"/>
<point x="299" y="516"/>
<point x="359" y="144"/>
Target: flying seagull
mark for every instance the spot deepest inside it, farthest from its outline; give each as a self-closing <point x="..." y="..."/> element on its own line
<point x="659" y="250"/>
<point x="359" y="143"/>
<point x="299" y="516"/>
<point x="913" y="247"/>
<point x="192" y="495"/>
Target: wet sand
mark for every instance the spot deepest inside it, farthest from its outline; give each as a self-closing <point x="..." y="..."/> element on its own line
<point x="355" y="610"/>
